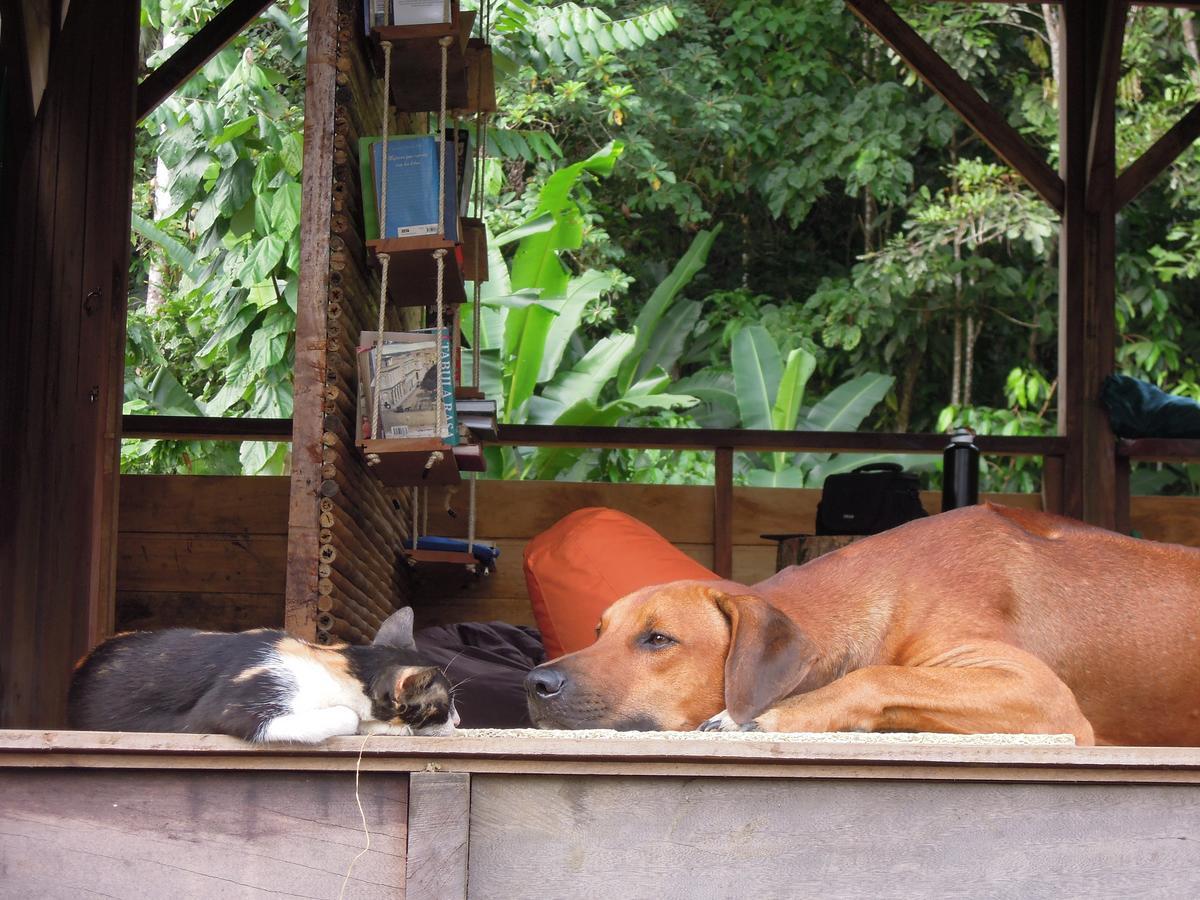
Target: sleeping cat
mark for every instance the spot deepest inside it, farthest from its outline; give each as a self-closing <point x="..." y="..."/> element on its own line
<point x="261" y="685"/>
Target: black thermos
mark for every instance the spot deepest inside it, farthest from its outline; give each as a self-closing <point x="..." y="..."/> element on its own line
<point x="960" y="471"/>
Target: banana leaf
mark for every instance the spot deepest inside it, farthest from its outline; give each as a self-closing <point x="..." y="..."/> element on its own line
<point x="652" y="313"/>
<point x="757" y="369"/>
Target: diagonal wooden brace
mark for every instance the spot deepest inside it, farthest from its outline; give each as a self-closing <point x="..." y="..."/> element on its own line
<point x="983" y="119"/>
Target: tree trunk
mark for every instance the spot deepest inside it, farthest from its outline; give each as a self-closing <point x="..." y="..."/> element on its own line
<point x="956" y="382"/>
<point x="956" y="379"/>
<point x="972" y="329"/>
<point x="155" y="298"/>
<point x="870" y="215"/>
<point x="1189" y="41"/>
<point x="1054" y="39"/>
<point x="908" y="387"/>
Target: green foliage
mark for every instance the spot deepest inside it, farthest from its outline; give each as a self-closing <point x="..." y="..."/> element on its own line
<point x="742" y="204"/>
<point x="219" y="234"/>
<point x="554" y="35"/>
<point x="531" y="359"/>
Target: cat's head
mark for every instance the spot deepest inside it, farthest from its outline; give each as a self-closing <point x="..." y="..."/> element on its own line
<point x="420" y="698"/>
<point x="409" y="692"/>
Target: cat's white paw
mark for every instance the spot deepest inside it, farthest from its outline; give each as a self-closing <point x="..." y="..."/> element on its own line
<point x="313" y="726"/>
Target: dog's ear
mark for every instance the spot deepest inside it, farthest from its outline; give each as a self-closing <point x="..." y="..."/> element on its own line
<point x="768" y="655"/>
<point x="397" y="630"/>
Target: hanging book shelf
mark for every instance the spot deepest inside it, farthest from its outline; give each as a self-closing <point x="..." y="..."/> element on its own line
<point x="429" y="68"/>
<point x="417" y="61"/>
<point x="414" y="275"/>
<point x="412" y="461"/>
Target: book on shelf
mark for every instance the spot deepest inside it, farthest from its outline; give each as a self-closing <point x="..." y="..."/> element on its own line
<point x="376" y="14"/>
<point x="464" y="152"/>
<point x="406" y="386"/>
<point x="412" y="193"/>
<point x="413" y="183"/>
<point x="420" y="12"/>
<point x="478" y="417"/>
<point x="470" y="457"/>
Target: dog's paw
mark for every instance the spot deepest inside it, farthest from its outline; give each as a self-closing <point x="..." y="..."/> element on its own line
<point x="720" y="722"/>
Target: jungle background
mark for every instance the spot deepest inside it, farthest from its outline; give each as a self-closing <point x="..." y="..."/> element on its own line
<point x="754" y="215"/>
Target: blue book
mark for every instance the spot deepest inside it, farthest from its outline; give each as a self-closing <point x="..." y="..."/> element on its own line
<point x="485" y="553"/>
<point x="413" y="187"/>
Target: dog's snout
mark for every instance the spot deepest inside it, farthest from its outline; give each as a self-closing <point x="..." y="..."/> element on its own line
<point x="544" y="682"/>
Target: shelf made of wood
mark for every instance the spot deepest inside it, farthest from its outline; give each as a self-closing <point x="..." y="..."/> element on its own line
<point x="417" y="67"/>
<point x="413" y="271"/>
<point x="412" y="461"/>
<point x="407" y="461"/>
<point x="422" y="558"/>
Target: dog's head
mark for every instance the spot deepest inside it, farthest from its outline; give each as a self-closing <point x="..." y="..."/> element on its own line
<point x="667" y="658"/>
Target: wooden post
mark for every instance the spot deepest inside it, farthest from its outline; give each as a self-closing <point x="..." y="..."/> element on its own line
<point x="439" y="819"/>
<point x="1052" y="484"/>
<point x="723" y="513"/>
<point x="1087" y="250"/>
<point x="1124" y="501"/>
<point x="307" y="428"/>
<point x="61" y="366"/>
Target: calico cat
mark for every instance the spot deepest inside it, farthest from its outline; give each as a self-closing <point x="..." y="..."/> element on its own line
<point x="261" y="685"/>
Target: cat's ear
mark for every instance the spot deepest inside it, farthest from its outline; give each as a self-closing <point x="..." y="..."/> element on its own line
<point x="397" y="630"/>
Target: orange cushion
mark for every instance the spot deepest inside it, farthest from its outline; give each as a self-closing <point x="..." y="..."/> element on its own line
<point x="585" y="562"/>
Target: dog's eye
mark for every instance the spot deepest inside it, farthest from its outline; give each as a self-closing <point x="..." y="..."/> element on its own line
<point x="657" y="639"/>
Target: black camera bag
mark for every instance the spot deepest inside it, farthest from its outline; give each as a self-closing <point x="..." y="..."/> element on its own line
<point x="872" y="498"/>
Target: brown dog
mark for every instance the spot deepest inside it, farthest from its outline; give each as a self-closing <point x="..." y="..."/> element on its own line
<point x="985" y="619"/>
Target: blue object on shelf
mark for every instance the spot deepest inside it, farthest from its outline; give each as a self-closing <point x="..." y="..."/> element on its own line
<point x="485" y="553"/>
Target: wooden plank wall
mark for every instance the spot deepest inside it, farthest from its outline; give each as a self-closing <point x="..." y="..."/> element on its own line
<point x="210" y="552"/>
<point x="201" y="552"/>
<point x="200" y="833"/>
<point x="510" y="513"/>
<point x="581" y="836"/>
<point x="64" y="261"/>
<point x="345" y="571"/>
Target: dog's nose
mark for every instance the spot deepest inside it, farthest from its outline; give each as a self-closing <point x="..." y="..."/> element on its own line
<point x="544" y="682"/>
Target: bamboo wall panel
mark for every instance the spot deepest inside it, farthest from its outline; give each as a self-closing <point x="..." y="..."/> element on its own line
<point x="64" y="260"/>
<point x="346" y="569"/>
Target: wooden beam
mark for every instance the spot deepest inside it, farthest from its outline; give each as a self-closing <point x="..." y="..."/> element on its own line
<point x="205" y="428"/>
<point x="723" y="513"/>
<point x="1087" y="273"/>
<point x="1101" y="149"/>
<point x="1155" y="160"/>
<point x="204" y="45"/>
<point x="983" y="119"/>
<point x="1160" y="449"/>
<point x="763" y="441"/>
<point x="300" y="605"/>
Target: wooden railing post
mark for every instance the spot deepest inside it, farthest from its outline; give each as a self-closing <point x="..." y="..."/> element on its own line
<point x="723" y="513"/>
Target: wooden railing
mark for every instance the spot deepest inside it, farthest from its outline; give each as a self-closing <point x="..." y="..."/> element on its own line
<point x="722" y="442"/>
<point x="1146" y="450"/>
